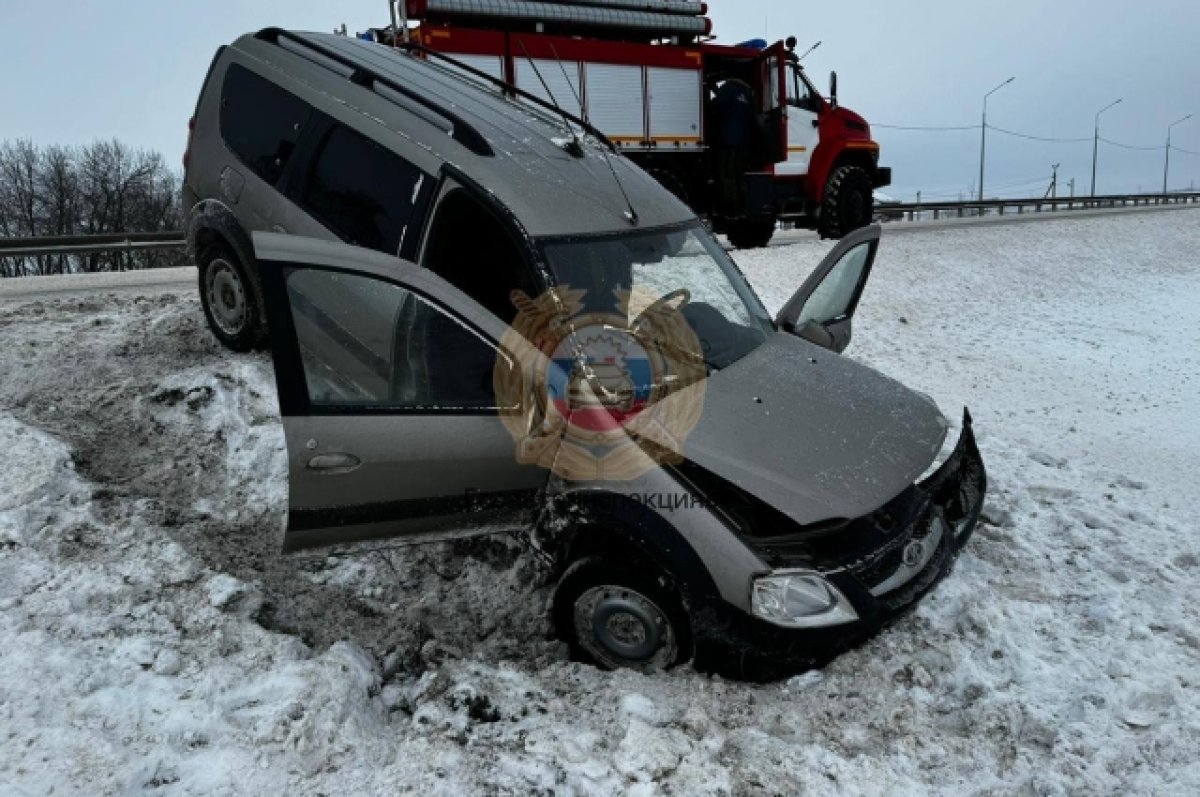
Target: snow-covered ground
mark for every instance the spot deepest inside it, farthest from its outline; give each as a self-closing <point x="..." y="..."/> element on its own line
<point x="153" y="641"/>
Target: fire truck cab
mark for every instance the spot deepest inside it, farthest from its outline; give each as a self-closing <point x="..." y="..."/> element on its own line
<point x="739" y="132"/>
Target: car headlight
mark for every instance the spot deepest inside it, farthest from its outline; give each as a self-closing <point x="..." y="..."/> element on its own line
<point x="800" y="599"/>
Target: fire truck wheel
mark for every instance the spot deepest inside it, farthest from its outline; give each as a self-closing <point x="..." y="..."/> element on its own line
<point x="849" y="202"/>
<point x="750" y="233"/>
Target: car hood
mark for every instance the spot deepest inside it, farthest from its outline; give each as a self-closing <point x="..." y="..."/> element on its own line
<point x="814" y="434"/>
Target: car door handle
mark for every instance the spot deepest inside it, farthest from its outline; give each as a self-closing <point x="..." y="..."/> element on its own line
<point x="334" y="463"/>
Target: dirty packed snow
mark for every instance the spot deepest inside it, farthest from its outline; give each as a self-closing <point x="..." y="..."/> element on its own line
<point x="153" y="641"/>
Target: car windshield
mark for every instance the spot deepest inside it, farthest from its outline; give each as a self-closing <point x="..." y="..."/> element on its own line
<point x="684" y="266"/>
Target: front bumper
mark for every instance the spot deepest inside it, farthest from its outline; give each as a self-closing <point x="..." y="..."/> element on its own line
<point x="882" y="584"/>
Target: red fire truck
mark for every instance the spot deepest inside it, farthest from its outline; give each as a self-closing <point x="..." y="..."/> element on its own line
<point x="737" y="132"/>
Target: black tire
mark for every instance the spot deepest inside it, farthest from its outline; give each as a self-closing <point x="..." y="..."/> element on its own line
<point x="750" y="233"/>
<point x="616" y="616"/>
<point x="230" y="299"/>
<point x="849" y="202"/>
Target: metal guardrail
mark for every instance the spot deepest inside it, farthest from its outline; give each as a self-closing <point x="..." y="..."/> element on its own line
<point x="1037" y="205"/>
<point x="117" y="242"/>
<point x="90" y="244"/>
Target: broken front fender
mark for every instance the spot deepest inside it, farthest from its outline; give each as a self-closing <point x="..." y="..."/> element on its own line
<point x="919" y="537"/>
<point x="959" y="485"/>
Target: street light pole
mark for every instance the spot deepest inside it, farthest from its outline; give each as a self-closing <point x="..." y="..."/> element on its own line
<point x="1096" y="143"/>
<point x="983" y="133"/>
<point x="1167" y="165"/>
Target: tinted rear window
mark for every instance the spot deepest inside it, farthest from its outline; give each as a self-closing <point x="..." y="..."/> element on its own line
<point x="261" y="122"/>
<point x="366" y="194"/>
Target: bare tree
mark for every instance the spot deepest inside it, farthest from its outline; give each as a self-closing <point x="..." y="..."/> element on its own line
<point x="105" y="187"/>
<point x="58" y="191"/>
<point x="19" y="162"/>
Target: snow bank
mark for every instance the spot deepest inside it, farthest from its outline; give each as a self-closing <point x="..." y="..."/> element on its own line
<point x="153" y="641"/>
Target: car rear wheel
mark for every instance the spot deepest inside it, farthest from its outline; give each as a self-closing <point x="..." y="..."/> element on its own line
<point x="617" y="617"/>
<point x="229" y="299"/>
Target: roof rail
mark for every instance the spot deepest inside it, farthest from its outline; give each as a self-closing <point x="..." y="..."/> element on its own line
<point x="509" y="87"/>
<point x="460" y="130"/>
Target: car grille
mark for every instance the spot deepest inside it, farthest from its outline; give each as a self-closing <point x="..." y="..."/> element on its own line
<point x="889" y="559"/>
<point x="849" y="545"/>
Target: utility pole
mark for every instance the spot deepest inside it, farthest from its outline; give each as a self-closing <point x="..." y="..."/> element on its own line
<point x="983" y="133"/>
<point x="1096" y="143"/>
<point x="1167" y="165"/>
<point x="1052" y="189"/>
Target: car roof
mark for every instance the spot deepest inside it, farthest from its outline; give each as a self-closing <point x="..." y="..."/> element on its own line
<point x="550" y="191"/>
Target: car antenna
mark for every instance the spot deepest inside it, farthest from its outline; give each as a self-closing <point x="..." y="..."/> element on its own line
<point x="576" y="146"/>
<point x="632" y="213"/>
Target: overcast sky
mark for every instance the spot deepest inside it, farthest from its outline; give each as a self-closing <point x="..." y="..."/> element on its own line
<point x="75" y="71"/>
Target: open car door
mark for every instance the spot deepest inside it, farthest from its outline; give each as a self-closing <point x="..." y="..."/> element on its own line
<point x="385" y="377"/>
<point x="822" y="311"/>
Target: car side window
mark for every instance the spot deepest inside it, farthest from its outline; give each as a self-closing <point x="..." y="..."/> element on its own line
<point x="369" y="343"/>
<point x="834" y="298"/>
<point x="366" y="194"/>
<point x="260" y="122"/>
<point x="486" y="265"/>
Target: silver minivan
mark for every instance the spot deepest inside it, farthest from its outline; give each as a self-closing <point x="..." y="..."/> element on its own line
<point x="511" y="329"/>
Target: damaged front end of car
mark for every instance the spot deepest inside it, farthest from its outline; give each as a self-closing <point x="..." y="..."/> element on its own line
<point x="834" y="584"/>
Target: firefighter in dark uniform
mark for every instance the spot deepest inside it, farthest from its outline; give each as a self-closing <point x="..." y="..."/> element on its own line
<point x="737" y="122"/>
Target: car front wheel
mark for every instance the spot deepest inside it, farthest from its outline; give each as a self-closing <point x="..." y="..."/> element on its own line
<point x="620" y="618"/>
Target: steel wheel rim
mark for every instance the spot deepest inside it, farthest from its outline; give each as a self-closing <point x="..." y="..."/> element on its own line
<point x="226" y="297"/>
<point x="622" y="628"/>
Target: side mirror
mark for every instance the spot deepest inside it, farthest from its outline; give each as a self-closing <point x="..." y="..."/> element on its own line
<point x="833" y="100"/>
<point x="816" y="333"/>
